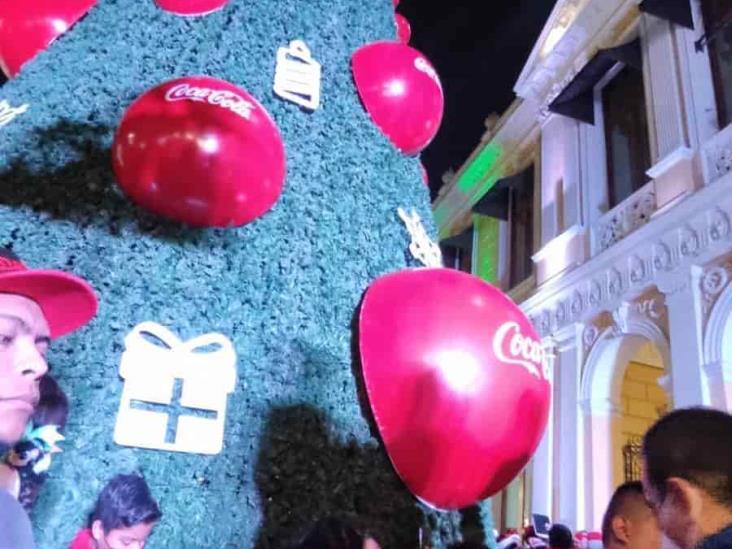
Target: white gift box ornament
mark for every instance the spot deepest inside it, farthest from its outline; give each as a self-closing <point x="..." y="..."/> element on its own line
<point x="297" y="76"/>
<point x="152" y="369"/>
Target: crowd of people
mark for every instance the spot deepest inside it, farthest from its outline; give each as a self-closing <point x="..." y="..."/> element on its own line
<point x="684" y="499"/>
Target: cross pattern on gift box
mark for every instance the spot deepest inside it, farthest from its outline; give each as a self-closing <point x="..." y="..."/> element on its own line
<point x="174" y="396"/>
<point x="174" y="410"/>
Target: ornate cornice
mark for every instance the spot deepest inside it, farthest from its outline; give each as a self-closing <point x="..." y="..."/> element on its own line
<point x="660" y="254"/>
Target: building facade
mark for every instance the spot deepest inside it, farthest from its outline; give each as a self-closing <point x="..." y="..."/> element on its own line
<point x="601" y="200"/>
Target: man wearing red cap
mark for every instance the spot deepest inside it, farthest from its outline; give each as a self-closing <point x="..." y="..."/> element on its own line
<point x="36" y="306"/>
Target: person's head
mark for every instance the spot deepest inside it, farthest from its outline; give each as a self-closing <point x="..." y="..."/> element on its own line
<point x="35" y="306"/>
<point x="125" y="514"/>
<point x="560" y="537"/>
<point x="629" y="520"/>
<point x="332" y="533"/>
<point x="687" y="473"/>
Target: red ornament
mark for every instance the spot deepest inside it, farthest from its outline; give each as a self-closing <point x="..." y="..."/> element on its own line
<point x="404" y="29"/>
<point x="395" y="2"/>
<point x="401" y="92"/>
<point x="456" y="380"/>
<point x="191" y="7"/>
<point x="27" y="27"/>
<point x="201" y="151"/>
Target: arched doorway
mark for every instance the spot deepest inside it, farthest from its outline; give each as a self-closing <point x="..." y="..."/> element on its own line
<point x="718" y="348"/>
<point x="618" y="360"/>
<point x="643" y="400"/>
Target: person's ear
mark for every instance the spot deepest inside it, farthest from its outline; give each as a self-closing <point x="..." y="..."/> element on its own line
<point x="619" y="527"/>
<point x="97" y="530"/>
<point x="684" y="497"/>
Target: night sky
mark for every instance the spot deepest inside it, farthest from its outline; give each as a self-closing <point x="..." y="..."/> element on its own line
<point x="478" y="48"/>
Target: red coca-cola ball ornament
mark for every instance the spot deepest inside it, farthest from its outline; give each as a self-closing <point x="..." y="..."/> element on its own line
<point x="201" y="151"/>
<point x="404" y="29"/>
<point x="191" y="7"/>
<point x="401" y="92"/>
<point x="457" y="381"/>
<point x="27" y="27"/>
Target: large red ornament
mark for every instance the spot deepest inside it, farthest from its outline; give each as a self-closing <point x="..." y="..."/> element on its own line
<point x="191" y="7"/>
<point x="456" y="380"/>
<point x="401" y="92"/>
<point x="200" y="150"/>
<point x="29" y="26"/>
<point x="404" y="29"/>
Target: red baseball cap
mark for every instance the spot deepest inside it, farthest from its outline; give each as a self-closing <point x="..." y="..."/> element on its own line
<point x="67" y="301"/>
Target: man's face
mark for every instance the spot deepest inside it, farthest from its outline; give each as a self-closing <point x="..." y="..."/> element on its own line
<point x="643" y="531"/>
<point x="24" y="339"/>
<point x="675" y="525"/>
<point x="133" y="537"/>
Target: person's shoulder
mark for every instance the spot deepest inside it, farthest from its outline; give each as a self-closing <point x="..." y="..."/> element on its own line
<point x="15" y="527"/>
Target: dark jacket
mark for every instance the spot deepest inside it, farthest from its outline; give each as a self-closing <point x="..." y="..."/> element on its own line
<point x="722" y="540"/>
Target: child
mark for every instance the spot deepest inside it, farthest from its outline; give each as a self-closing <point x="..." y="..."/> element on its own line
<point x="124" y="516"/>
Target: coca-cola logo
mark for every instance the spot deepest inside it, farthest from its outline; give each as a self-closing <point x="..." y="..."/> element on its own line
<point x="224" y="99"/>
<point x="512" y="347"/>
<point x="422" y="65"/>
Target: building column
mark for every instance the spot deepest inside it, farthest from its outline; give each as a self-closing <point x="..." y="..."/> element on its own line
<point x="719" y="381"/>
<point x="671" y="145"/>
<point x="542" y="462"/>
<point x="568" y="452"/>
<point x="602" y="418"/>
<point x="685" y="337"/>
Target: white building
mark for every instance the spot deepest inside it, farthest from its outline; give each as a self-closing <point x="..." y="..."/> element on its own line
<point x="605" y="200"/>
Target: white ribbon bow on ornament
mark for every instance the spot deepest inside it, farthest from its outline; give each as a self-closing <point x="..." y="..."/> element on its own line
<point x="150" y="367"/>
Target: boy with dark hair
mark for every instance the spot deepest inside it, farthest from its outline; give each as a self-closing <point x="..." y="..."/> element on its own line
<point x="687" y="477"/>
<point x="629" y="521"/>
<point x="123" y="518"/>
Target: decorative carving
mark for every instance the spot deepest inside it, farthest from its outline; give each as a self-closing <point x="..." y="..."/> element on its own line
<point x="578" y="305"/>
<point x="690" y="244"/>
<point x="649" y="308"/>
<point x="712" y="283"/>
<point x="719" y="225"/>
<point x="718" y="155"/>
<point x="546" y="323"/>
<point x="614" y="282"/>
<point x="637" y="268"/>
<point x="595" y="293"/>
<point x="723" y="162"/>
<point x="589" y="336"/>
<point x="560" y="315"/>
<point x="662" y="259"/>
<point x="625" y="218"/>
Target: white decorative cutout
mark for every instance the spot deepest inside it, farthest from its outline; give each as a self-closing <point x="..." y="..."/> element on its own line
<point x="150" y="372"/>
<point x="422" y="248"/>
<point x="8" y="113"/>
<point x="298" y="75"/>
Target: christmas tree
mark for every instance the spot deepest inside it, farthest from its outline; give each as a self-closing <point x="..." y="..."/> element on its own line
<point x="299" y="441"/>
